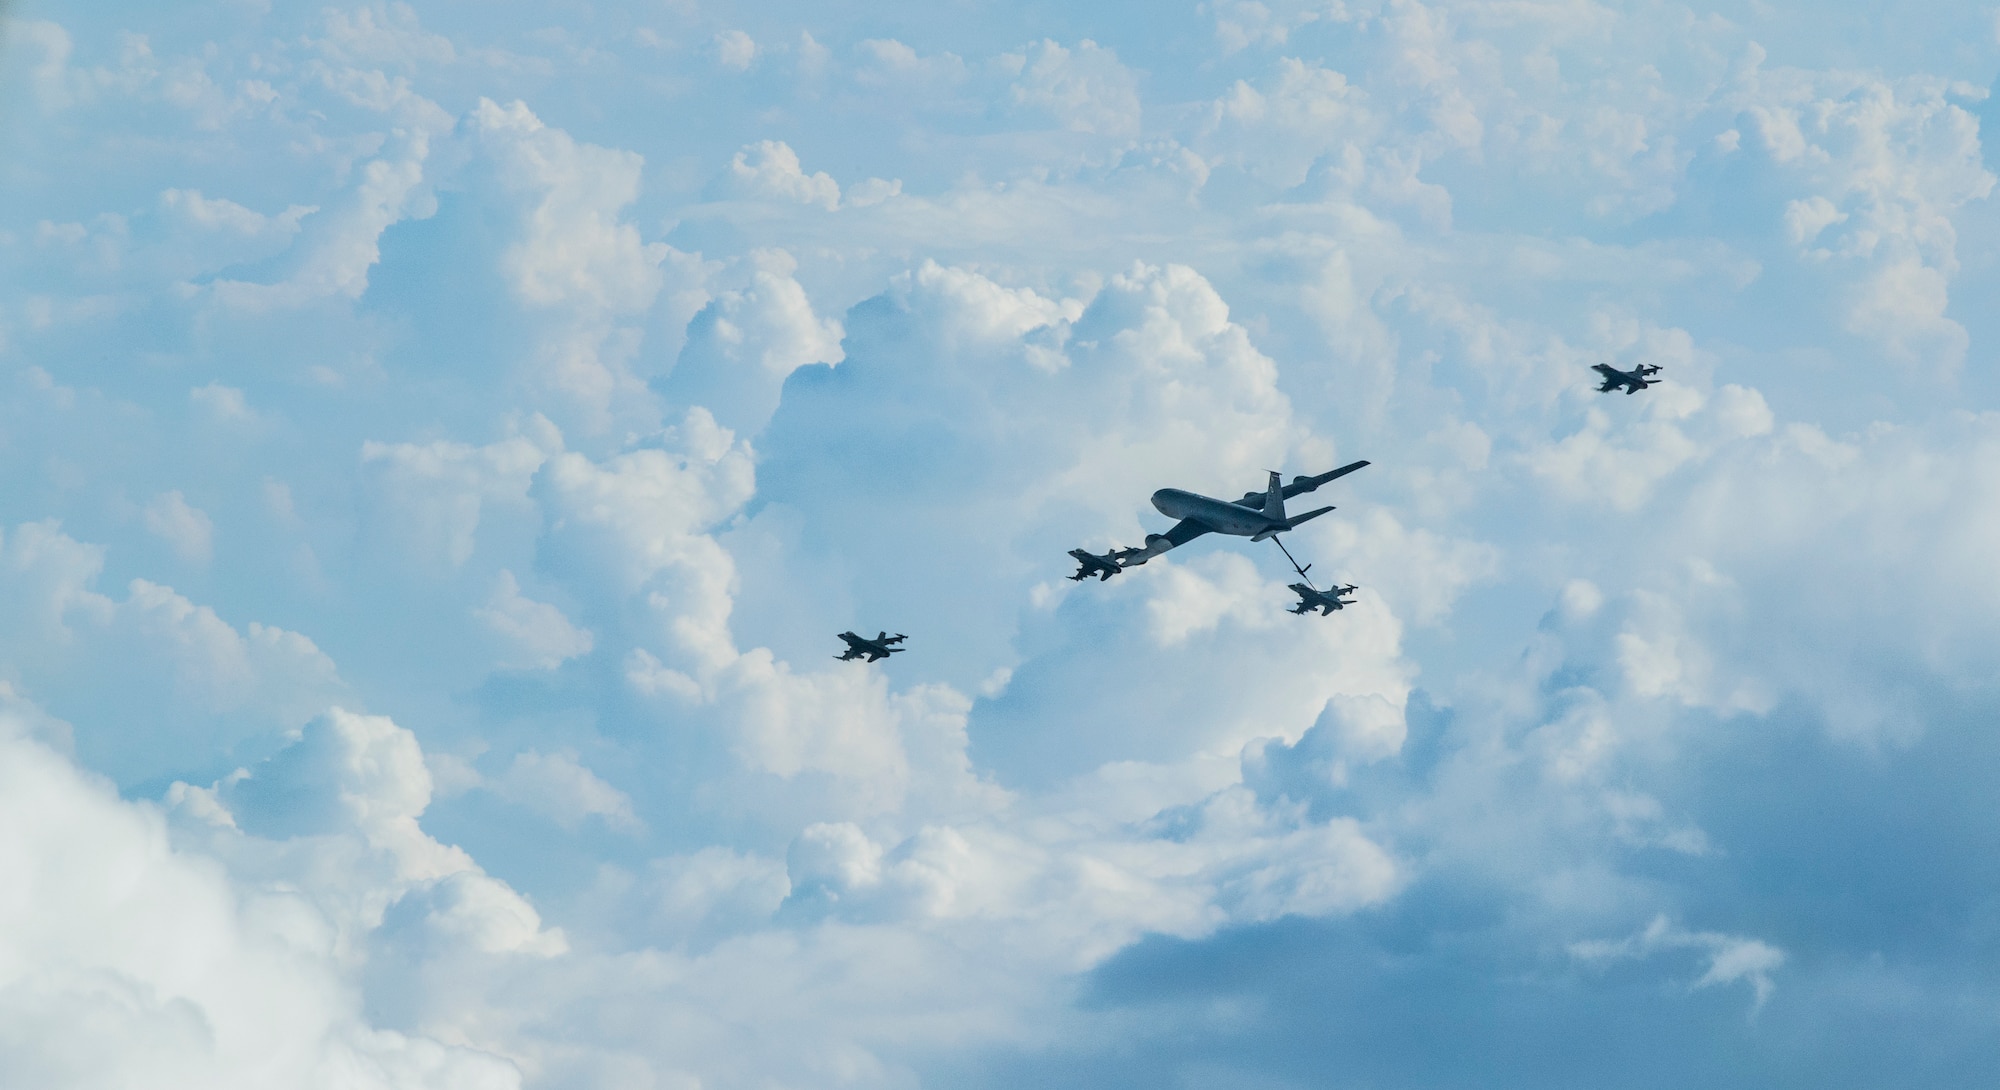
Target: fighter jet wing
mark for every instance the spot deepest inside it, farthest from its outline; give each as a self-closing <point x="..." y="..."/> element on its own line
<point x="1301" y="485"/>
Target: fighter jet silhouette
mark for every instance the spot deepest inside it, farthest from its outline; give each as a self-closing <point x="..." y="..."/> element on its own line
<point x="877" y="648"/>
<point x="1104" y="567"/>
<point x="1633" y="381"/>
<point x="1326" y="601"/>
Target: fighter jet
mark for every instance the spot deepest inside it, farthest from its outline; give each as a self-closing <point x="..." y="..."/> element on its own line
<point x="1104" y="567"/>
<point x="1258" y="515"/>
<point x="1633" y="381"/>
<point x="877" y="648"/>
<point x="1326" y="601"/>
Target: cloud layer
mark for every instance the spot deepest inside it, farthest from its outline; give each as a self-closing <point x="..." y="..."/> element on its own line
<point x="440" y="445"/>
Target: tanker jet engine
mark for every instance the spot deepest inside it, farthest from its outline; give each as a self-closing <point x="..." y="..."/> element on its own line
<point x="1326" y="601"/>
<point x="877" y="648"/>
<point x="1633" y="381"/>
<point x="1258" y="515"/>
<point x="1087" y="565"/>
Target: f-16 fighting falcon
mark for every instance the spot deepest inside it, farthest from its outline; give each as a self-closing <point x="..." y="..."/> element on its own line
<point x="1326" y="601"/>
<point x="1087" y="565"/>
<point x="877" y="648"/>
<point x="1258" y="515"/>
<point x="1633" y="381"/>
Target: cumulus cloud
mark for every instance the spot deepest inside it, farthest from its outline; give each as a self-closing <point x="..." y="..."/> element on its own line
<point x="735" y="49"/>
<point x="578" y="259"/>
<point x="556" y="785"/>
<point x="431" y="496"/>
<point x="744" y="344"/>
<point x="192" y="678"/>
<point x="119" y="935"/>
<point x="338" y="244"/>
<point x="188" y="529"/>
<point x="1085" y="89"/>
<point x="1886" y="163"/>
<point x="540" y="637"/>
<point x="770" y="170"/>
<point x="604" y="404"/>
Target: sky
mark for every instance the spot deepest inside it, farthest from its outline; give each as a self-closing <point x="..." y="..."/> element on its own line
<point x="440" y="442"/>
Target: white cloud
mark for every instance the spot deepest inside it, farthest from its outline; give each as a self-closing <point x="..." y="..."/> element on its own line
<point x="1731" y="958"/>
<point x="191" y="677"/>
<point x="770" y="170"/>
<point x="187" y="528"/>
<point x="1302" y="234"/>
<point x="223" y="404"/>
<point x="127" y="960"/>
<point x="1084" y="89"/>
<point x="338" y="245"/>
<point x="735" y="49"/>
<point x="576" y="251"/>
<point x="580" y="263"/>
<point x="556" y="785"/>
<point x="1886" y="164"/>
<point x="384" y="35"/>
<point x="743" y="344"/>
<point x="432" y="496"/>
<point x="538" y="635"/>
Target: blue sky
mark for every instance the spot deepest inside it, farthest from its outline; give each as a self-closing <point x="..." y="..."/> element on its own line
<point x="440" y="441"/>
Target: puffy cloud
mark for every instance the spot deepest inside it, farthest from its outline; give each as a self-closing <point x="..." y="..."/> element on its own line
<point x="1886" y="164"/>
<point x="639" y="522"/>
<point x="575" y="252"/>
<point x="741" y="347"/>
<point x="1078" y="829"/>
<point x="556" y="785"/>
<point x="339" y="244"/>
<point x="537" y="633"/>
<point x="188" y="529"/>
<point x="430" y="496"/>
<point x="579" y="261"/>
<point x="770" y="170"/>
<point x="195" y="680"/>
<point x="735" y="49"/>
<point x="223" y="404"/>
<point x="127" y="958"/>
<point x="1085" y="89"/>
<point x="388" y="35"/>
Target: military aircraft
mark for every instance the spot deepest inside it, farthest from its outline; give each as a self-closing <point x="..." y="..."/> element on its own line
<point x="1258" y="515"/>
<point x="1326" y="601"/>
<point x="877" y="648"/>
<point x="1633" y="381"/>
<point x="1104" y="567"/>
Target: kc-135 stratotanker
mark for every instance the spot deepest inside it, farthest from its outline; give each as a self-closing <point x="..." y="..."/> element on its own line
<point x="1256" y="516"/>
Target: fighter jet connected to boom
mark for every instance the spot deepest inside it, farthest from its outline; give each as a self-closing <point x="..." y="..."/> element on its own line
<point x="877" y="648"/>
<point x="1088" y="564"/>
<point x="1326" y="601"/>
<point x="1257" y="516"/>
<point x="1633" y="381"/>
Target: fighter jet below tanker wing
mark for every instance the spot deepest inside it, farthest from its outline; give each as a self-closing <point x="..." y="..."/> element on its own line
<point x="877" y="648"/>
<point x="1087" y="565"/>
<point x="1326" y="601"/>
<point x="1256" y="516"/>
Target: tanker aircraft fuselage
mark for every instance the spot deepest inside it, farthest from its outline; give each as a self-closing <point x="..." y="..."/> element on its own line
<point x="1258" y="515"/>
